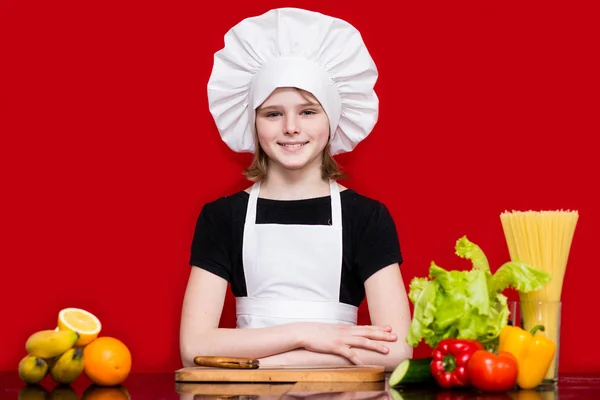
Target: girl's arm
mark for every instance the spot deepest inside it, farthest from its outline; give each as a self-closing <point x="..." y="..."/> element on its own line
<point x="388" y="306"/>
<point x="200" y="334"/>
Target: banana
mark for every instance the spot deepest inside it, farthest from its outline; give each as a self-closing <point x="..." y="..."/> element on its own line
<point x="32" y="369"/>
<point x="68" y="366"/>
<point x="50" y="343"/>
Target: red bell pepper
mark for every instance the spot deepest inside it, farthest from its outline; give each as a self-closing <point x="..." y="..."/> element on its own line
<point x="489" y="372"/>
<point x="450" y="359"/>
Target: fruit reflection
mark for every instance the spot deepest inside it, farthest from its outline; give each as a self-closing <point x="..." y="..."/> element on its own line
<point x="95" y="392"/>
<point x="33" y="392"/>
<point x="532" y="394"/>
<point x="63" y="392"/>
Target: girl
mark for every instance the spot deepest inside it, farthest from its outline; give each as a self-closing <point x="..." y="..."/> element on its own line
<point x="300" y="251"/>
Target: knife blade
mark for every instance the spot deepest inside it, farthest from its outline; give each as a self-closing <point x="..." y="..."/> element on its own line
<point x="226" y="362"/>
<point x="319" y="366"/>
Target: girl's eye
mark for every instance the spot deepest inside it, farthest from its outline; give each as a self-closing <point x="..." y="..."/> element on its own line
<point x="308" y="112"/>
<point x="272" y="114"/>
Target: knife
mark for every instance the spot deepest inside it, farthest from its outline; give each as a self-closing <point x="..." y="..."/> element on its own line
<point x="226" y="362"/>
<point x="252" y="363"/>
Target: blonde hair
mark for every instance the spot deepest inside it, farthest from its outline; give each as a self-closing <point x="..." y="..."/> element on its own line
<point x="257" y="170"/>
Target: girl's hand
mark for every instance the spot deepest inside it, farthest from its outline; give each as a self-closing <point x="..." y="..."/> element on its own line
<point x="341" y="339"/>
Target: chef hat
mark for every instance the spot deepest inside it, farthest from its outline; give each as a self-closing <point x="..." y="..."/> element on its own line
<point x="290" y="47"/>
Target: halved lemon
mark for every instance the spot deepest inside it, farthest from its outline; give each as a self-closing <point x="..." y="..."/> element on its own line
<point x="81" y="321"/>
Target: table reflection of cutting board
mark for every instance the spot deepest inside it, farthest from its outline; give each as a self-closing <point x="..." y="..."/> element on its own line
<point x="274" y="389"/>
<point x="348" y="373"/>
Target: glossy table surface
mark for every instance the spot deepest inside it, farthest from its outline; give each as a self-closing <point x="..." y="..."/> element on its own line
<point x="163" y="387"/>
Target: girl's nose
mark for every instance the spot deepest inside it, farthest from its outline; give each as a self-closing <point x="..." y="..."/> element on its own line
<point x="291" y="126"/>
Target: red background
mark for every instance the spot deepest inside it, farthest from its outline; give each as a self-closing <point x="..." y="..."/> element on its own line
<point x="108" y="150"/>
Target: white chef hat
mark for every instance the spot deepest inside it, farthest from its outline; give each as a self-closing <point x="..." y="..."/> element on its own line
<point x="290" y="47"/>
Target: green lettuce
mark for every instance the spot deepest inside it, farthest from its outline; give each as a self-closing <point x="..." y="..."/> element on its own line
<point x="467" y="304"/>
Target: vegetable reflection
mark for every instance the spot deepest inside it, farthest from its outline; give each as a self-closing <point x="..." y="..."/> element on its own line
<point x="469" y="394"/>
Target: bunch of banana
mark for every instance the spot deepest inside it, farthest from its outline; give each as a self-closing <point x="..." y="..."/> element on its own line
<point x="51" y="352"/>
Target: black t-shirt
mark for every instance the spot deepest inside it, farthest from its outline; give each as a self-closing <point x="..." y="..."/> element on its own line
<point x="370" y="240"/>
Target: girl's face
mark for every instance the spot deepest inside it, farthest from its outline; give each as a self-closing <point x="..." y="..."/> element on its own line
<point x="293" y="129"/>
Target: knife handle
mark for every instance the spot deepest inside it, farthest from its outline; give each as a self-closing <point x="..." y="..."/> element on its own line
<point x="226" y="362"/>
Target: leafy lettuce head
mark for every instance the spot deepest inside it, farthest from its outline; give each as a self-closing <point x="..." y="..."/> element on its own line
<point x="467" y="304"/>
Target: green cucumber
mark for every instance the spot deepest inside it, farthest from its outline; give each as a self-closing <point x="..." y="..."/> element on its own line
<point x="411" y="370"/>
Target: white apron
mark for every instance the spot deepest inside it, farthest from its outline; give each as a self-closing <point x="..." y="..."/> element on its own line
<point x="293" y="272"/>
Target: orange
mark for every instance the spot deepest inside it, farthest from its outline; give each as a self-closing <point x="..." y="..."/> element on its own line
<point x="81" y="321"/>
<point x="107" y="361"/>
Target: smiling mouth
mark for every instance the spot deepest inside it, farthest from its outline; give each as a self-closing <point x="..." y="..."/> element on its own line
<point x="292" y="145"/>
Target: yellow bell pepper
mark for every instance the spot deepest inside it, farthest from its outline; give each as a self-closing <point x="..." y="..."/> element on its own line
<point x="534" y="353"/>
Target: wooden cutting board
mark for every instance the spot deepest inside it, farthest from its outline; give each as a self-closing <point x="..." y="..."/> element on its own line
<point x="350" y="373"/>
